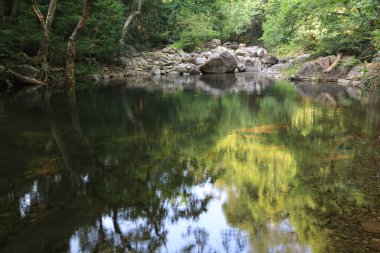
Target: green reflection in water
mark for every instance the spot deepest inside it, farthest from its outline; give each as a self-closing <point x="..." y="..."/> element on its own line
<point x="292" y="169"/>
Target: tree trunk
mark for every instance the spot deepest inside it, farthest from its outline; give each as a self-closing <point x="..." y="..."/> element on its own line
<point x="129" y="20"/>
<point x="2" y="7"/>
<point x="15" y="9"/>
<point x="70" y="54"/>
<point x="46" y="29"/>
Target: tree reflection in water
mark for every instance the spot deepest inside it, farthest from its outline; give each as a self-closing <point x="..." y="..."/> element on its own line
<point x="128" y="170"/>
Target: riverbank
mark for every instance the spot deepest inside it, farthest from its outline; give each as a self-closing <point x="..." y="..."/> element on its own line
<point x="215" y="58"/>
<point x="232" y="57"/>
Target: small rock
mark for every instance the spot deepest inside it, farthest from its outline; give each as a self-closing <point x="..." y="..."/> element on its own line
<point x="374" y="244"/>
<point x="200" y="60"/>
<point x="187" y="58"/>
<point x="182" y="68"/>
<point x="214" y="43"/>
<point x="219" y="49"/>
<point x="207" y="54"/>
<point x="261" y="52"/>
<point x="231" y="45"/>
<point x="156" y="72"/>
<point x="371" y="226"/>
<point x="194" y="71"/>
<point x="241" y="52"/>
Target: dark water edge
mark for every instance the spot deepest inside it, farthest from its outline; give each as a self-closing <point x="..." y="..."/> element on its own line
<point x="224" y="163"/>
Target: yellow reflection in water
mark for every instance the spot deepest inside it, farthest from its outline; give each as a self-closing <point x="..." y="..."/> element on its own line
<point x="260" y="179"/>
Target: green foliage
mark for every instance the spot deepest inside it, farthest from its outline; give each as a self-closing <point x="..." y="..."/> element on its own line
<point x="291" y="70"/>
<point x="239" y="16"/>
<point x="332" y="26"/>
<point x="350" y="63"/>
<point x="85" y="68"/>
<point x="287" y="26"/>
<point x="98" y="40"/>
<point x="288" y="50"/>
<point x="376" y="38"/>
<point x="195" y="30"/>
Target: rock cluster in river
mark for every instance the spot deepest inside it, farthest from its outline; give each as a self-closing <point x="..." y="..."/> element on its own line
<point x="309" y="69"/>
<point x="226" y="58"/>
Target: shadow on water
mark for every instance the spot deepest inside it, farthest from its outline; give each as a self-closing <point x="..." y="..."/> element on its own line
<point x="263" y="166"/>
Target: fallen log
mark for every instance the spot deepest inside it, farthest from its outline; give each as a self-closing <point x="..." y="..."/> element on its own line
<point x="25" y="79"/>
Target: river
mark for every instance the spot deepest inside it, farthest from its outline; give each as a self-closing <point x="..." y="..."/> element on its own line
<point x="224" y="163"/>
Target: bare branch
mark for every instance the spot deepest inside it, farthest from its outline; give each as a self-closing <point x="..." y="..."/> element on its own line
<point x="38" y="13"/>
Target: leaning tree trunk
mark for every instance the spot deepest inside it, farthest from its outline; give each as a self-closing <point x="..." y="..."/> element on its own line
<point x="335" y="63"/>
<point x="70" y="54"/>
<point x="46" y="29"/>
<point x="129" y="20"/>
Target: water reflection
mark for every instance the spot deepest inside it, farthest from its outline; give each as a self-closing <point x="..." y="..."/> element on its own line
<point x="274" y="169"/>
<point x="212" y="84"/>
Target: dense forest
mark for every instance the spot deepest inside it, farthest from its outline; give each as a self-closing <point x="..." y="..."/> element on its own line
<point x="49" y="31"/>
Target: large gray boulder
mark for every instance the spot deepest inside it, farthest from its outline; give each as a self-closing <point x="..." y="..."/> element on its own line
<point x="360" y="73"/>
<point x="315" y="70"/>
<point x="224" y="62"/>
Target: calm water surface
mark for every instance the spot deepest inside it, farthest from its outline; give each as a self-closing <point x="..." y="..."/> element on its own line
<point x="253" y="166"/>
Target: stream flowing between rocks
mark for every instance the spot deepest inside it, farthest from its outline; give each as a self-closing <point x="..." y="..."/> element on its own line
<point x="223" y="163"/>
